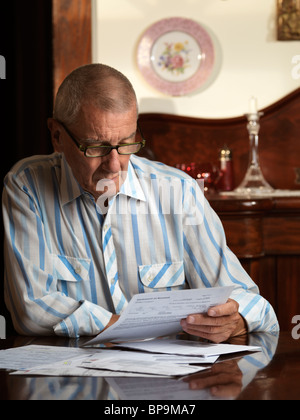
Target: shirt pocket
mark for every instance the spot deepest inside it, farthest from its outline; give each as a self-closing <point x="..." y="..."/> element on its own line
<point x="70" y="269"/>
<point x="163" y="276"/>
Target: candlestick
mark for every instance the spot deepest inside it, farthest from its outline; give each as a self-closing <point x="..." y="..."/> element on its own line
<point x="253" y="106"/>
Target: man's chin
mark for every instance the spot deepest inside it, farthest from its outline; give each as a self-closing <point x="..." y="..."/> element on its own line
<point x="108" y="187"/>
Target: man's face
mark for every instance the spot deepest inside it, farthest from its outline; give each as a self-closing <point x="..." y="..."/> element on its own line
<point x="95" y="127"/>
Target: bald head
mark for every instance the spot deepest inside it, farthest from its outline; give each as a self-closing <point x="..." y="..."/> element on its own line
<point x="95" y="84"/>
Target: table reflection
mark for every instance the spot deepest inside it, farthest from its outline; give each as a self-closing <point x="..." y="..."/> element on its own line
<point x="226" y="379"/>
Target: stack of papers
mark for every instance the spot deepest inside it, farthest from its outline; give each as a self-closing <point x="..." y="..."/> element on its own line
<point x="159" y="358"/>
<point x="147" y="317"/>
<point x="65" y="361"/>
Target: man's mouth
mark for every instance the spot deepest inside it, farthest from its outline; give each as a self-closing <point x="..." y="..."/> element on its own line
<point x="107" y="178"/>
<point x="113" y="178"/>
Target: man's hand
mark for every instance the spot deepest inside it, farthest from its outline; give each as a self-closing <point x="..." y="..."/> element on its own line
<point x="218" y="325"/>
<point x="112" y="321"/>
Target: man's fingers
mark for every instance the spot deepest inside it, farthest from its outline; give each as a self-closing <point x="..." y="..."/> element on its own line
<point x="203" y="319"/>
<point x="229" y="308"/>
<point x="216" y="315"/>
<point x="205" y="329"/>
<point x="218" y="324"/>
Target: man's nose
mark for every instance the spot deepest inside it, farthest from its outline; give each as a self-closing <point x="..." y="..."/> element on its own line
<point x="112" y="161"/>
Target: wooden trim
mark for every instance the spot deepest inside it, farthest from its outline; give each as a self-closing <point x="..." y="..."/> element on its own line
<point x="72" y="37"/>
<point x="174" y="139"/>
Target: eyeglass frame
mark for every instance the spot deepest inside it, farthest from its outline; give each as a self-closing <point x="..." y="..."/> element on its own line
<point x="84" y="149"/>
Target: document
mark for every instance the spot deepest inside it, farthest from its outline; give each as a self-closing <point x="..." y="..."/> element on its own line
<point x="114" y="363"/>
<point x="145" y="363"/>
<point x="174" y="358"/>
<point x="187" y="348"/>
<point x="26" y="357"/>
<point x="152" y="315"/>
<point x="75" y="371"/>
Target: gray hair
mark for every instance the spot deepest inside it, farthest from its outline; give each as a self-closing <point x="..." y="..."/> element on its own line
<point x="97" y="84"/>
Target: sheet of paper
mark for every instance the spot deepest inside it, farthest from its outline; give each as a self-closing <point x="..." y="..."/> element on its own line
<point x="169" y="358"/>
<point x="141" y="363"/>
<point x="187" y="348"/>
<point x="80" y="372"/>
<point x="73" y="367"/>
<point x="26" y="357"/>
<point x="151" y="315"/>
<point x="113" y="363"/>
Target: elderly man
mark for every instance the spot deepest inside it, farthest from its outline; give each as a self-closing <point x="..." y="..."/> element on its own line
<point x="92" y="224"/>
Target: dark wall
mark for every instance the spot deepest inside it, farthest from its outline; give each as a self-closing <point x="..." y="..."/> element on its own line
<point x="26" y="93"/>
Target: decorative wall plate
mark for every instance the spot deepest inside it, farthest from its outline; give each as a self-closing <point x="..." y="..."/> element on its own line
<point x="176" y="56"/>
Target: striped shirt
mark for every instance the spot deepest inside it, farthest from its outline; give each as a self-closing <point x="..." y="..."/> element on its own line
<point x="70" y="263"/>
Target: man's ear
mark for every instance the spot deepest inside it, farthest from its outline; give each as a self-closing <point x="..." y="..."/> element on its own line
<point x="55" y="130"/>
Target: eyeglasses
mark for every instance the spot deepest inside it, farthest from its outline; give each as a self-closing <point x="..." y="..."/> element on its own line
<point x="101" y="151"/>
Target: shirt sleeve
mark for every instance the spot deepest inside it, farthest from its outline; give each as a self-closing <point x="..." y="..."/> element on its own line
<point x="210" y="263"/>
<point x="31" y="293"/>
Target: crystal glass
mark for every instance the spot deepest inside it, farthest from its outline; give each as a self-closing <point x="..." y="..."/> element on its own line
<point x="254" y="182"/>
<point x="205" y="171"/>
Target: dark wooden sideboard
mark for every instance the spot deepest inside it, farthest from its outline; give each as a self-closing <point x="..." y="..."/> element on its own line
<point x="264" y="233"/>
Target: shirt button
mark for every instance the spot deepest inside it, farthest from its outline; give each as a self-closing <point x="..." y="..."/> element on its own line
<point x="78" y="270"/>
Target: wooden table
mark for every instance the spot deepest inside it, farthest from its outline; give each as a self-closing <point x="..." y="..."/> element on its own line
<point x="273" y="374"/>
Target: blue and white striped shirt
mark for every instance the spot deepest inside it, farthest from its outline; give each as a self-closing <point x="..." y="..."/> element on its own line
<point x="69" y="266"/>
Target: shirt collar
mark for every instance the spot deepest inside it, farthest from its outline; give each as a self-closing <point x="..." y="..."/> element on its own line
<point x="69" y="187"/>
<point x="132" y="185"/>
